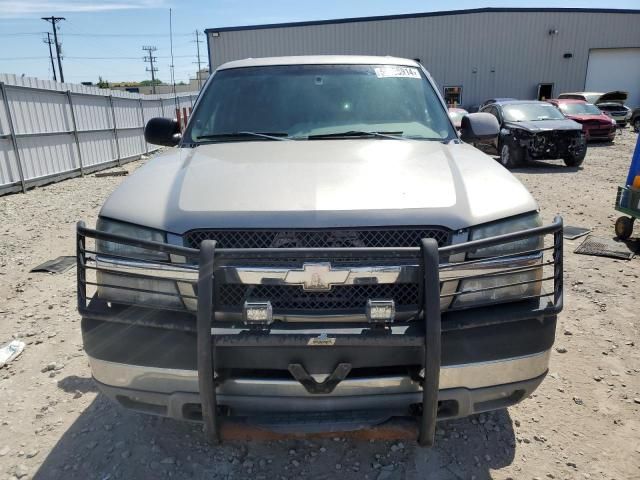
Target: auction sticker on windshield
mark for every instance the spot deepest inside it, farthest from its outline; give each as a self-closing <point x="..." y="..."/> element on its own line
<point x="392" y="71"/>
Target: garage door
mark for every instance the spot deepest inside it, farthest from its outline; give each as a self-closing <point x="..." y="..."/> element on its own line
<point x="615" y="69"/>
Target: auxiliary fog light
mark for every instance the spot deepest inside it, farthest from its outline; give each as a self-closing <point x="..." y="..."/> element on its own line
<point x="381" y="311"/>
<point x="257" y="313"/>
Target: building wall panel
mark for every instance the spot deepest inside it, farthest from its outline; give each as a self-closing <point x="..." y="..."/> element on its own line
<point x="495" y="53"/>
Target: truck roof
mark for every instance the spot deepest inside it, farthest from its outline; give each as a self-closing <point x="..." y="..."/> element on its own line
<point x="319" y="60"/>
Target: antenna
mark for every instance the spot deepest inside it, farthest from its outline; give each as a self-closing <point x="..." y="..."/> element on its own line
<point x="173" y="76"/>
<point x="197" y="40"/>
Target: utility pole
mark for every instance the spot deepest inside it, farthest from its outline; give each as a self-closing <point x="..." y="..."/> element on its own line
<point x="53" y="65"/>
<point x="150" y="59"/>
<point x="198" y="62"/>
<point x="53" y="21"/>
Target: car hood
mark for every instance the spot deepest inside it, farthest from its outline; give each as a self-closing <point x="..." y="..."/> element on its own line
<point x="545" y="125"/>
<point x="613" y="97"/>
<point x="318" y="184"/>
<point x="585" y="118"/>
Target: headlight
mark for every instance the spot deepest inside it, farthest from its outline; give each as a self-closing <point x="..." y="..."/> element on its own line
<point x="523" y="222"/>
<point x="133" y="231"/>
<point x="503" y="287"/>
<point x="145" y="292"/>
<point x="132" y="289"/>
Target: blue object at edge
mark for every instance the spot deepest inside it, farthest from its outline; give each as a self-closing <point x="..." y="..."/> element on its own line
<point x="634" y="169"/>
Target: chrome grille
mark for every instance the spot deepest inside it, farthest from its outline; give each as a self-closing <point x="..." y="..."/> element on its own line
<point x="294" y="298"/>
<point x="361" y="237"/>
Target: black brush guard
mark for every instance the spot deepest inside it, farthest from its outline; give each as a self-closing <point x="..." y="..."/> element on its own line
<point x="429" y="343"/>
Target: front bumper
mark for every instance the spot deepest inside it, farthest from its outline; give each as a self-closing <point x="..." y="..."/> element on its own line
<point x="621" y="119"/>
<point x="417" y="354"/>
<point x="600" y="133"/>
<point x="483" y="368"/>
<point x="309" y="414"/>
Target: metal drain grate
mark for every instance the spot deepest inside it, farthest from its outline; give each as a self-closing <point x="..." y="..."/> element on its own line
<point x="604" y="247"/>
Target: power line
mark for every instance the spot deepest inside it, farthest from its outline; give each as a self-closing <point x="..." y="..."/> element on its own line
<point x="23" y="58"/>
<point x="20" y="33"/>
<point x="150" y="49"/>
<point x="53" y="21"/>
<point x="100" y="34"/>
<point x="92" y="58"/>
<point x="126" y="34"/>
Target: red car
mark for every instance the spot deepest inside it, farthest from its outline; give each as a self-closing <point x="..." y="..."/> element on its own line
<point x="595" y="124"/>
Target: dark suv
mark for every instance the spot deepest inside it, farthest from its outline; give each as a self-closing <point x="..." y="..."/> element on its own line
<point x="532" y="130"/>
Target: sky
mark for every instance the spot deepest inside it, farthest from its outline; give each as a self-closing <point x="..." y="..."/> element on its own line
<point x="105" y="38"/>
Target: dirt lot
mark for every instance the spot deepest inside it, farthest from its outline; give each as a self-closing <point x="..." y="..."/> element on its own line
<point x="584" y="421"/>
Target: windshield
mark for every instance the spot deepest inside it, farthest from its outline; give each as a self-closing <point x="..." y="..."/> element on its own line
<point x="302" y="101"/>
<point x="579" y="109"/>
<point x="519" y="112"/>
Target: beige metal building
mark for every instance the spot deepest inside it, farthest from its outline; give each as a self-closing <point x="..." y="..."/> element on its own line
<point x="472" y="54"/>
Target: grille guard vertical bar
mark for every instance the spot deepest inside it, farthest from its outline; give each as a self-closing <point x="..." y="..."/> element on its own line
<point x="558" y="287"/>
<point x="81" y="259"/>
<point x="432" y="341"/>
<point x="206" y="342"/>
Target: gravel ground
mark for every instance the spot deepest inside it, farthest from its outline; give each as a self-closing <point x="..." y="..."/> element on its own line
<point x="583" y="422"/>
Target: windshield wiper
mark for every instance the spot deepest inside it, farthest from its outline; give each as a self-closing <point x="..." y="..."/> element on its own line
<point x="356" y="134"/>
<point x="231" y="135"/>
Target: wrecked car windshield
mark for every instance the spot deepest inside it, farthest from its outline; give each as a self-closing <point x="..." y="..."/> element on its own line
<point x="579" y="109"/>
<point x="522" y="112"/>
<point x="303" y="101"/>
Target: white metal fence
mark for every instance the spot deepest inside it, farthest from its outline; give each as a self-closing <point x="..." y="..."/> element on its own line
<point x="51" y="131"/>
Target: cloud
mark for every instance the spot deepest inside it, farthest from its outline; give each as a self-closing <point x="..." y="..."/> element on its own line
<point x="27" y="8"/>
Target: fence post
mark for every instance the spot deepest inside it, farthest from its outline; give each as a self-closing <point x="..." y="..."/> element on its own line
<point x="146" y="145"/>
<point x="12" y="132"/>
<point x="115" y="129"/>
<point x="162" y="106"/>
<point x="75" y="132"/>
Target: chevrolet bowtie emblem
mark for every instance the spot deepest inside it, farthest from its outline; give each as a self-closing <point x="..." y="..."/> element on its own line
<point x="318" y="277"/>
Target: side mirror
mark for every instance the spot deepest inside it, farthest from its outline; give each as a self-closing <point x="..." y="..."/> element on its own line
<point x="479" y="126"/>
<point x="162" y="131"/>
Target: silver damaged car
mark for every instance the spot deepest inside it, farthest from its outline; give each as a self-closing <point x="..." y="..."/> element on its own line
<point x="321" y="251"/>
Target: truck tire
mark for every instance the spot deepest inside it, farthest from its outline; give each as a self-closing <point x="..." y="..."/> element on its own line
<point x="511" y="155"/>
<point x="624" y="227"/>
<point x="576" y="159"/>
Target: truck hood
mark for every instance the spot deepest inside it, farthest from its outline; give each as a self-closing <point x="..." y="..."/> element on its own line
<point x="545" y="125"/>
<point x="318" y="184"/>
